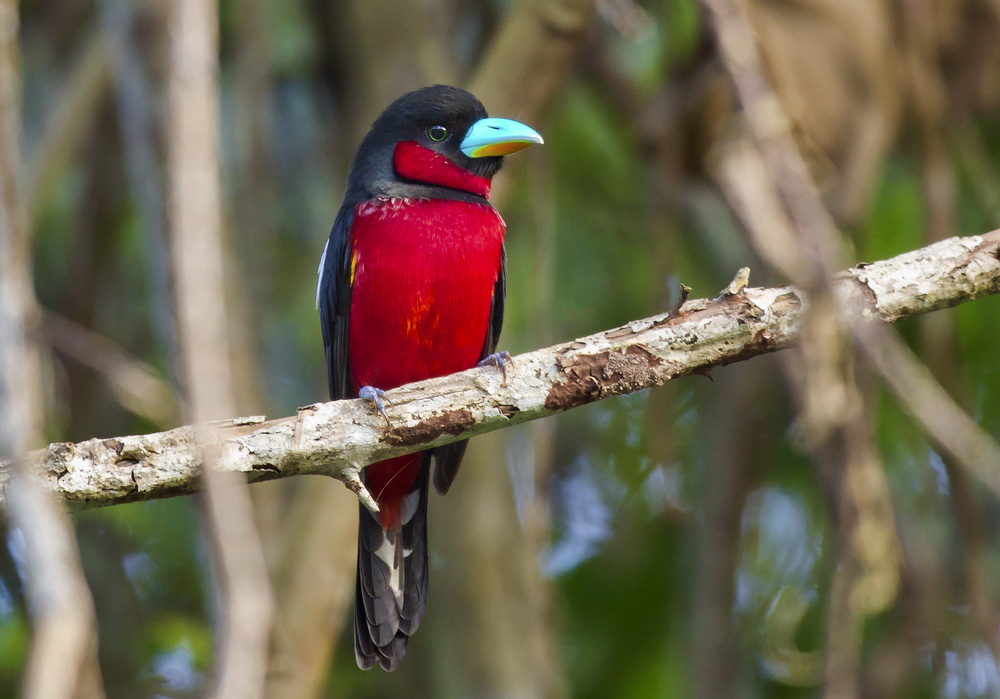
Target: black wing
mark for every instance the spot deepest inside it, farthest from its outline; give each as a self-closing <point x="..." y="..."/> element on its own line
<point x="496" y="309"/>
<point x="333" y="296"/>
<point x="448" y="458"/>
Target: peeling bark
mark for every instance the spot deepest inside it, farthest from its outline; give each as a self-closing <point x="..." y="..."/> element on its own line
<point x="340" y="437"/>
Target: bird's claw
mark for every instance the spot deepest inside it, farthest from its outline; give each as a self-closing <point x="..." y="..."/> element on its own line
<point x="376" y="396"/>
<point x="501" y="360"/>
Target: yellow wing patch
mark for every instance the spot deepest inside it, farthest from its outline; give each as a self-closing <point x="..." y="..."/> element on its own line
<point x="354" y="265"/>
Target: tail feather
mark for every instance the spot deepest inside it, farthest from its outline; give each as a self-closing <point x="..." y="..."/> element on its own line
<point x="391" y="590"/>
<point x="364" y="649"/>
<point x="415" y="596"/>
<point x="447" y="459"/>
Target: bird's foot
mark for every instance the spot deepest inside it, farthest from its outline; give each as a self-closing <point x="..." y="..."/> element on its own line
<point x="501" y="360"/>
<point x="376" y="396"/>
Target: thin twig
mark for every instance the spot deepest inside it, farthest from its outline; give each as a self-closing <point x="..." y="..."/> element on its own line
<point x="137" y="385"/>
<point x="76" y="109"/>
<point x="930" y="404"/>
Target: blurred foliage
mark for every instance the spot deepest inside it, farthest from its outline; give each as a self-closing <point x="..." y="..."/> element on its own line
<point x="603" y="223"/>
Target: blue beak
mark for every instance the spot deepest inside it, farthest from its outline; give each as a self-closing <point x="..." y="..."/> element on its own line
<point x="493" y="136"/>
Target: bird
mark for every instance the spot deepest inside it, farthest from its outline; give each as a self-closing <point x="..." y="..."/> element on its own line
<point x="411" y="286"/>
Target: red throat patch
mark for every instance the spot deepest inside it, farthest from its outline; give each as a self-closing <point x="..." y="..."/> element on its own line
<point x="414" y="162"/>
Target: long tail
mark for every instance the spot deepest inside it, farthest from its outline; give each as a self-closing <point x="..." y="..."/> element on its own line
<point x="392" y="578"/>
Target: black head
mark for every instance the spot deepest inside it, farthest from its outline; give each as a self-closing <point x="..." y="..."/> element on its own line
<point x="435" y="118"/>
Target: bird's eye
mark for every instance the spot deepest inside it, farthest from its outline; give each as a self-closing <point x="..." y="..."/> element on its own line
<point x="437" y="133"/>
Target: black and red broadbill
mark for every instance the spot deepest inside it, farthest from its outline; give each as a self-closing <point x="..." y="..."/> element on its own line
<point x="411" y="286"/>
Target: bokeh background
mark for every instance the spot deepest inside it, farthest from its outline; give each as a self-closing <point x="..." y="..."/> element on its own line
<point x="674" y="543"/>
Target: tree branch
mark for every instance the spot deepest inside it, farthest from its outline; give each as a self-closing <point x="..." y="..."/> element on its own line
<point x="340" y="437"/>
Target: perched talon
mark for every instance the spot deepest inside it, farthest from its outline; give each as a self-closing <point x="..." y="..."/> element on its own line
<point x="375" y="395"/>
<point x="501" y="360"/>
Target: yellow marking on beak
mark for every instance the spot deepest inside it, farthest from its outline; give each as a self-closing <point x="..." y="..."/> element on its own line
<point x="505" y="148"/>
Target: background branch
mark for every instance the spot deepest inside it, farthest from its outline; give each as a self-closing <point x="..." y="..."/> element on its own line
<point x="62" y="661"/>
<point x="200" y="296"/>
<point x="781" y="196"/>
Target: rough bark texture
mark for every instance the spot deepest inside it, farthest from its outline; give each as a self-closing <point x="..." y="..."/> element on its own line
<point x="341" y="437"/>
